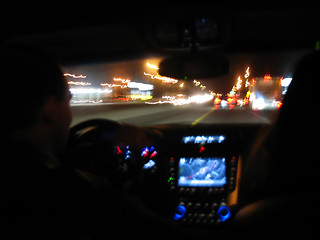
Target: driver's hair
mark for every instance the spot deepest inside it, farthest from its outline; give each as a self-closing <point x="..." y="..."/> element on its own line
<point x="28" y="75"/>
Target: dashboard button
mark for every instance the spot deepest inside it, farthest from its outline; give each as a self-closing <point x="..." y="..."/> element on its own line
<point x="223" y="213"/>
<point x="180" y="212"/>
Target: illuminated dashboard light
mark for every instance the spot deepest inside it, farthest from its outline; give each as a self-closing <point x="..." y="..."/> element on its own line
<point x="149" y="164"/>
<point x="221" y="139"/>
<point x="153" y="154"/>
<point x="180" y="212"/>
<point x="204" y="139"/>
<point x="224" y="213"/>
<point x="202" y="148"/>
<point x="118" y="150"/>
<point x="145" y="152"/>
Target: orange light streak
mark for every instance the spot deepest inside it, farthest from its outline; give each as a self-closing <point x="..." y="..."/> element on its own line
<point x="112" y="85"/>
<point x="239" y="83"/>
<point x="247" y="73"/>
<point x="267" y="78"/>
<point x="152" y="66"/>
<point x="74" y="76"/>
<point x="161" y="78"/>
<point x="121" y="80"/>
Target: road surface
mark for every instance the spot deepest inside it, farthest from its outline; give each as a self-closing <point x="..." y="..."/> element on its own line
<point x="149" y="114"/>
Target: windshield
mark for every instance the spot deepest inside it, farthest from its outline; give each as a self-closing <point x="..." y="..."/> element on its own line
<point x="134" y="92"/>
<point x="114" y="62"/>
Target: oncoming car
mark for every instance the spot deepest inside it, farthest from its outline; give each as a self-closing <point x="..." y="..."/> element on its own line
<point x="169" y="119"/>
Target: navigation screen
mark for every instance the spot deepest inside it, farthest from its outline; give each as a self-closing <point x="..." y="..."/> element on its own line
<point x="202" y="172"/>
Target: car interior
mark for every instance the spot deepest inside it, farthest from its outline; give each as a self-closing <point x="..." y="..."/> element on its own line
<point x="205" y="175"/>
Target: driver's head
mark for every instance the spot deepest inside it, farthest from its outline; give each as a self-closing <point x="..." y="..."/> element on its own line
<point x="34" y="97"/>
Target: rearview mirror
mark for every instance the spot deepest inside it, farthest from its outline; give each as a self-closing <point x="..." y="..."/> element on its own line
<point x="194" y="66"/>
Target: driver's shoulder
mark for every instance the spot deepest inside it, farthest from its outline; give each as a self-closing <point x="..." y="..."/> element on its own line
<point x="28" y="166"/>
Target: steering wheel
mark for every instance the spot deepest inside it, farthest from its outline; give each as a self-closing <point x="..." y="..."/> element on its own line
<point x="91" y="147"/>
<point x="91" y="130"/>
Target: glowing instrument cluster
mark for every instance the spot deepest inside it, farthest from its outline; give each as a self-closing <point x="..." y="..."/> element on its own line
<point x="125" y="156"/>
<point x="149" y="155"/>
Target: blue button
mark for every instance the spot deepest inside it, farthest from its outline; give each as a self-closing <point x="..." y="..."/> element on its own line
<point x="180" y="212"/>
<point x="224" y="213"/>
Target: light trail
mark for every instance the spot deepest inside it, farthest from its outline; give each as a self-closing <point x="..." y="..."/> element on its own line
<point x="74" y="76"/>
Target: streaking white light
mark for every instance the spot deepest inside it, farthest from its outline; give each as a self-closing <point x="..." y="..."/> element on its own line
<point x="79" y="83"/>
<point x="140" y="86"/>
<point x="258" y="104"/>
<point x="286" y="82"/>
<point x="201" y="98"/>
<point x="224" y="103"/>
<point x="182" y="101"/>
<point x="89" y="90"/>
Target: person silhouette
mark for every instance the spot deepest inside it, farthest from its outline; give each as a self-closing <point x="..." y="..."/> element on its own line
<point x="281" y="173"/>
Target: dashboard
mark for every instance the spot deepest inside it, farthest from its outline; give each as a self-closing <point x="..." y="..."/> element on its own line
<point x="187" y="174"/>
<point x="201" y="180"/>
<point x="202" y="173"/>
<point x="190" y="174"/>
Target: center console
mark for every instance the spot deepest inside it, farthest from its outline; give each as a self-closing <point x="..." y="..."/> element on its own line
<point x="201" y="180"/>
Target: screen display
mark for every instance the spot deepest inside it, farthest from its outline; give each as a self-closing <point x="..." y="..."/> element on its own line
<point x="202" y="172"/>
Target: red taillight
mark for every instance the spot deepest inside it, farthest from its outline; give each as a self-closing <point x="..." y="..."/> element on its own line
<point x="279" y="105"/>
